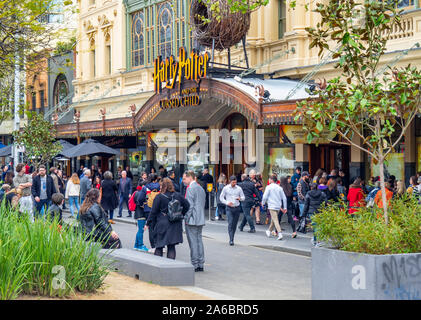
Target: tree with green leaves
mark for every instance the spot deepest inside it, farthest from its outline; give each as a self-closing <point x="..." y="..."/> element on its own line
<point x="373" y="103"/>
<point x="38" y="139"/>
<point x="26" y="37"/>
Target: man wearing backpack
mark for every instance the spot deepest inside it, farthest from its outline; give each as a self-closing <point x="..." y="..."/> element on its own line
<point x="195" y="219"/>
<point x="146" y="196"/>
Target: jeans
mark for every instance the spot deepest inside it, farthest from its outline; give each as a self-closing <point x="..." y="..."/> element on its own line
<point x="41" y="207"/>
<point x="233" y="213"/>
<point x="170" y="251"/>
<point x="301" y="206"/>
<point x="246" y="206"/>
<point x="139" y="235"/>
<point x="74" y="202"/>
<point x="123" y="199"/>
<point x="197" y="253"/>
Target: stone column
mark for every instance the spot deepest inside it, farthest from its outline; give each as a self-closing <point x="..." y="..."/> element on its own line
<point x="301" y="156"/>
<point x="410" y="153"/>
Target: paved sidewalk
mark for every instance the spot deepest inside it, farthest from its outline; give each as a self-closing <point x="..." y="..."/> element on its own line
<point x="217" y="230"/>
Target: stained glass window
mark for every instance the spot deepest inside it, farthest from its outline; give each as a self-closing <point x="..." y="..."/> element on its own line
<point x="165" y="16"/>
<point x="138" y="43"/>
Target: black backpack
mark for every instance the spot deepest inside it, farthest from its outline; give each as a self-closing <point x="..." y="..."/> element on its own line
<point x="174" y="210"/>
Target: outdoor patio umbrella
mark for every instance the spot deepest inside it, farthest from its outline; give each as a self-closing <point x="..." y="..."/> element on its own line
<point x="66" y="146"/>
<point x="6" y="151"/>
<point x="90" y="147"/>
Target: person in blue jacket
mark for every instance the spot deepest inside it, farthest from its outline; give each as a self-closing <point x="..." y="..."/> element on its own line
<point x="143" y="210"/>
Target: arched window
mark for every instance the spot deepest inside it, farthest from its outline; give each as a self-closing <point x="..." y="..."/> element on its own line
<point x="165" y="16"/>
<point x="138" y="45"/>
<point x="61" y="89"/>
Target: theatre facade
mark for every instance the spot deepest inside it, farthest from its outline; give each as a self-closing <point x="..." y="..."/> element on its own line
<point x="124" y="97"/>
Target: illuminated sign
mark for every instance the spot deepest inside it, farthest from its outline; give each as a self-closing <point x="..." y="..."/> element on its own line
<point x="188" y="97"/>
<point x="192" y="67"/>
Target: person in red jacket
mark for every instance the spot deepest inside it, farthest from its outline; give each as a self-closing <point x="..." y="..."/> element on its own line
<point x="356" y="196"/>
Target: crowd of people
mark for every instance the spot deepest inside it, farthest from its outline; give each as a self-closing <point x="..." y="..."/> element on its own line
<point x="164" y="205"/>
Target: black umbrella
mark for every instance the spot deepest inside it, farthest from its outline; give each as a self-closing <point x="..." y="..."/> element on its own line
<point x="90" y="147"/>
<point x="6" y="151"/>
<point x="65" y="146"/>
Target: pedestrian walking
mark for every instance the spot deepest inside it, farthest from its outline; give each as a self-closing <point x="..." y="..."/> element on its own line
<point x="146" y="196"/>
<point x="302" y="189"/>
<point x="72" y="194"/>
<point x="276" y="200"/>
<point x="61" y="185"/>
<point x="231" y="196"/>
<point x="314" y="199"/>
<point x="288" y="190"/>
<point x="220" y="209"/>
<point x="97" y="182"/>
<point x="195" y="220"/>
<point x="251" y="194"/>
<point x="140" y="216"/>
<point x="94" y="222"/>
<point x="42" y="189"/>
<point x="356" y="196"/>
<point x="53" y="174"/>
<point x="24" y="182"/>
<point x="124" y="193"/>
<point x="85" y="184"/>
<point x="171" y="175"/>
<point x="168" y="233"/>
<point x="108" y="192"/>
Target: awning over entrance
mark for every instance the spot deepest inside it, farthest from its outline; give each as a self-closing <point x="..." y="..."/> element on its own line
<point x="262" y="102"/>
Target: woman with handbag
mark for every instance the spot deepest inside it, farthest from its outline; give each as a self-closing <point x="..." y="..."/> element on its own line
<point x="168" y="233"/>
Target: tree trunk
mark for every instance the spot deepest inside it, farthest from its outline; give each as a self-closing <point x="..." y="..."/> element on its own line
<point x="383" y="190"/>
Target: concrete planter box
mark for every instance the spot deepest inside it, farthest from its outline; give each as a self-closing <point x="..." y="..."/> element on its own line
<point x="341" y="275"/>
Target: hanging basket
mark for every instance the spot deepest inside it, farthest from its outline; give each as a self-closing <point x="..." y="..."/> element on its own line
<point x="226" y="32"/>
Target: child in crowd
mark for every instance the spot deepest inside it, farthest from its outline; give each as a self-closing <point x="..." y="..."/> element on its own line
<point x="55" y="210"/>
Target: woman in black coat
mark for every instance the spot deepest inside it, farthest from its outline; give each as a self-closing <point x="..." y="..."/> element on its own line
<point x="109" y="200"/>
<point x="167" y="233"/>
<point x="94" y="222"/>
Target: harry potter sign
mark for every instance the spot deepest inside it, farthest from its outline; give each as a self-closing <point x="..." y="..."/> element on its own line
<point x="192" y="67"/>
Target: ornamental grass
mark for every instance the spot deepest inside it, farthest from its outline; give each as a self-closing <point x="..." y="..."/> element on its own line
<point x="41" y="258"/>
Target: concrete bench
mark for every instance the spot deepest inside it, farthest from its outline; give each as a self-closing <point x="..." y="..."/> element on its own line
<point x="147" y="267"/>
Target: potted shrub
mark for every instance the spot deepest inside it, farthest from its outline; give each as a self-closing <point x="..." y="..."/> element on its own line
<point x="374" y="255"/>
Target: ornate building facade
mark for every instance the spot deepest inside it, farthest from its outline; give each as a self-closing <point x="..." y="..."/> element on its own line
<point x="114" y="91"/>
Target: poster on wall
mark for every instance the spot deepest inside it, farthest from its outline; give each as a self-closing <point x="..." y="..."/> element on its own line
<point x="395" y="166"/>
<point x="281" y="161"/>
<point x="296" y="134"/>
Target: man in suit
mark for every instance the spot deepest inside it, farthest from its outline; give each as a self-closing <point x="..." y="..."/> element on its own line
<point x="195" y="219"/>
<point x="124" y="192"/>
<point x="42" y="190"/>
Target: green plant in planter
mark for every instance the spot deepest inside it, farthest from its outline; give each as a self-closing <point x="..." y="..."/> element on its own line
<point x="43" y="259"/>
<point x="367" y="232"/>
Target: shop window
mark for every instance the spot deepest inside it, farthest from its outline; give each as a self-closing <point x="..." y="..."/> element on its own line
<point x="394" y="165"/>
<point x="138" y="44"/>
<point x="280" y="160"/>
<point x="282" y="19"/>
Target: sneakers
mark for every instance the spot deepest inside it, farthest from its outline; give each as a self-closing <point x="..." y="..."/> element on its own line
<point x="280" y="236"/>
<point x="143" y="248"/>
<point x="268" y="233"/>
<point x="216" y="218"/>
<point x="313" y="243"/>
